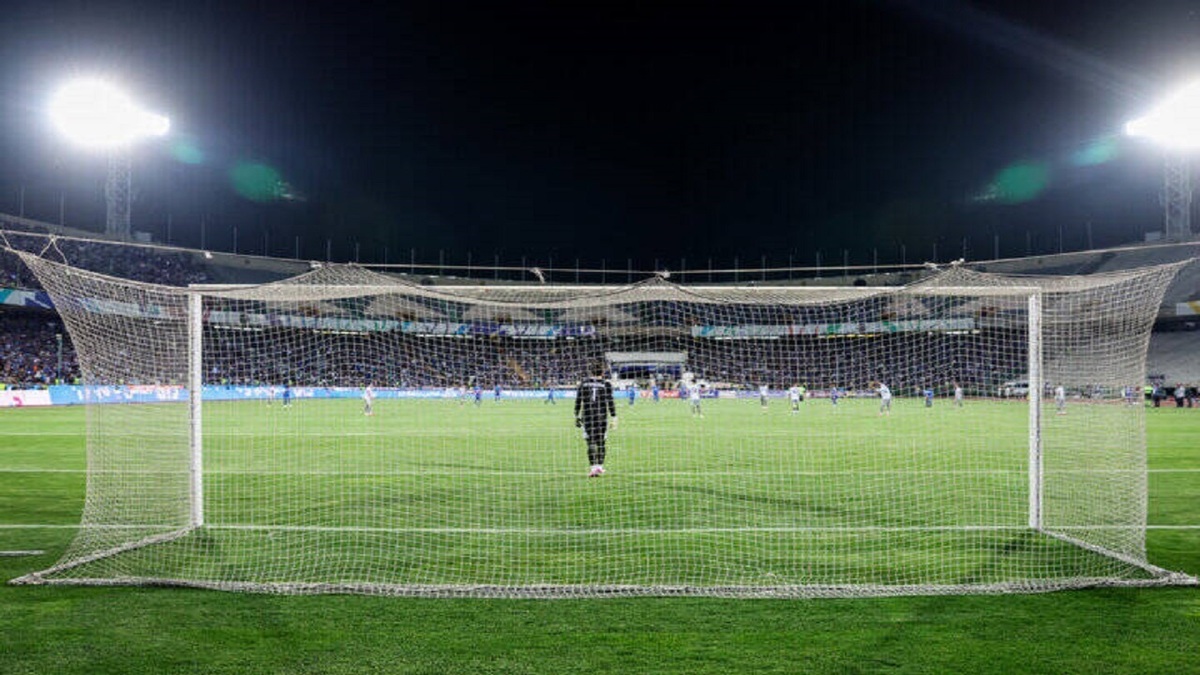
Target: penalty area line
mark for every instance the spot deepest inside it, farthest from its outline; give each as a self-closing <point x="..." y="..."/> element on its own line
<point x="643" y="530"/>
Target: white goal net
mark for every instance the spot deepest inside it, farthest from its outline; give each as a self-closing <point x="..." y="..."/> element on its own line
<point x="346" y="431"/>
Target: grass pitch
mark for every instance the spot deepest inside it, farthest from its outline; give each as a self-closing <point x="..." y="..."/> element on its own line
<point x="169" y="630"/>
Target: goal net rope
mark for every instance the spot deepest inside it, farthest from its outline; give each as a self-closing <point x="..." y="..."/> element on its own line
<point x="347" y="431"/>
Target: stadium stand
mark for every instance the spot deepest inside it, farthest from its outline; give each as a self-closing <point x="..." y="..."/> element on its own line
<point x="29" y="351"/>
<point x="1175" y="356"/>
<point x="29" y="336"/>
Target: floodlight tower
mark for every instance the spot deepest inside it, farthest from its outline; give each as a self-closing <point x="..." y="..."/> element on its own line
<point x="1175" y="125"/>
<point x="1177" y="196"/>
<point x="95" y="114"/>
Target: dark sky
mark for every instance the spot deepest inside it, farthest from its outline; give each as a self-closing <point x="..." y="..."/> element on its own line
<point x="612" y="130"/>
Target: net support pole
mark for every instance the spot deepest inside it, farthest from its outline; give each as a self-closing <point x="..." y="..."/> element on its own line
<point x="1035" y="411"/>
<point x="195" y="387"/>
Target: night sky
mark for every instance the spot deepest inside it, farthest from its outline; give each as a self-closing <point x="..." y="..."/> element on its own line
<point x="606" y="131"/>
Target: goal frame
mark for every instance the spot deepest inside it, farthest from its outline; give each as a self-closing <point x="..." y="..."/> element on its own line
<point x="195" y="322"/>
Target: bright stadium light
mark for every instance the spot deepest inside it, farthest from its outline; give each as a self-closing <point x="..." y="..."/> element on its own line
<point x="95" y="114"/>
<point x="1174" y="124"/>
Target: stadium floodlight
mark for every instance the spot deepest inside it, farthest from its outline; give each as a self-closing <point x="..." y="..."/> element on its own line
<point x="1175" y="125"/>
<point x="95" y="114"/>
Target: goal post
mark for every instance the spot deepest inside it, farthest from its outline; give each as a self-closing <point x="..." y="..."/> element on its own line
<point x="1035" y="410"/>
<point x="195" y="332"/>
<point x="347" y="431"/>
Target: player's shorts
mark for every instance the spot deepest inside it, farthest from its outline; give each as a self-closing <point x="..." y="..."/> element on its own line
<point x="592" y="432"/>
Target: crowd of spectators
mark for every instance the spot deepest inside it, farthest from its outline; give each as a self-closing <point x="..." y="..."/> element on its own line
<point x="304" y="358"/>
<point x="392" y="359"/>
<point x="908" y="363"/>
<point x="29" y="351"/>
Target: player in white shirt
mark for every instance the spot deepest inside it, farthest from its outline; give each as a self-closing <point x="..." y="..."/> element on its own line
<point x="368" y="397"/>
<point x="794" y="397"/>
<point x="958" y="395"/>
<point x="885" y="399"/>
<point x="694" y="399"/>
<point x="1060" y="399"/>
<point x="763" y="392"/>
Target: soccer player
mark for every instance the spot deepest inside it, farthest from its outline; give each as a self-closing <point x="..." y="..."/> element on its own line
<point x="496" y="392"/>
<point x="958" y="395"/>
<point x="795" y="396"/>
<point x="368" y="397"/>
<point x="1060" y="399"/>
<point x="287" y="395"/>
<point x="593" y="406"/>
<point x="550" y="396"/>
<point x="885" y="399"/>
<point x="694" y="399"/>
<point x="928" y="397"/>
<point x="631" y="392"/>
<point x="762" y="396"/>
<point x="654" y="390"/>
<point x="478" y="391"/>
<point x="834" y="395"/>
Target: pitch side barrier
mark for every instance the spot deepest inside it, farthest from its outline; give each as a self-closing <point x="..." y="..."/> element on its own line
<point x="79" y="394"/>
<point x="56" y="395"/>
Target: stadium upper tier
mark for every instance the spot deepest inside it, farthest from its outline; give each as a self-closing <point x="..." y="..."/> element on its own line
<point x="181" y="266"/>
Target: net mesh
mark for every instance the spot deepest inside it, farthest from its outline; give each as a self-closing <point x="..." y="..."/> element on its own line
<point x="364" y="434"/>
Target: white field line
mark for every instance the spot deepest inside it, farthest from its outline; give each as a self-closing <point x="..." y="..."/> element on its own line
<point x="566" y="430"/>
<point x="573" y="473"/>
<point x="566" y="531"/>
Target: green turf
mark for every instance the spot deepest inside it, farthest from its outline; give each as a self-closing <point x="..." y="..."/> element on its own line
<point x="428" y="492"/>
<point x="63" y="629"/>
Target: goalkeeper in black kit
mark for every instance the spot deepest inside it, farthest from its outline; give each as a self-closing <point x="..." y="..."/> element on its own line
<point x="593" y="406"/>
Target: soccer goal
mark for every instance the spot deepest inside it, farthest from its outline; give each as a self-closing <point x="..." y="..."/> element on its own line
<point x="228" y="446"/>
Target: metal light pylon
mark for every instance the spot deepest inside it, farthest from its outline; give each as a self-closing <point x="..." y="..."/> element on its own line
<point x="1177" y="197"/>
<point x="117" y="189"/>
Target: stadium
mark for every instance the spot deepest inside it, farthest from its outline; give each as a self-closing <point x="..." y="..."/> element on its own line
<point x="217" y="457"/>
<point x="471" y="448"/>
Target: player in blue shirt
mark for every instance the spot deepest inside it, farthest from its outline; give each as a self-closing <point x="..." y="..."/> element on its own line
<point x="654" y="390"/>
<point x="550" y="396"/>
<point x="287" y="395"/>
<point x="478" y="391"/>
<point x="497" y="393"/>
<point x="631" y="392"/>
<point x="834" y="395"/>
<point x="928" y="397"/>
